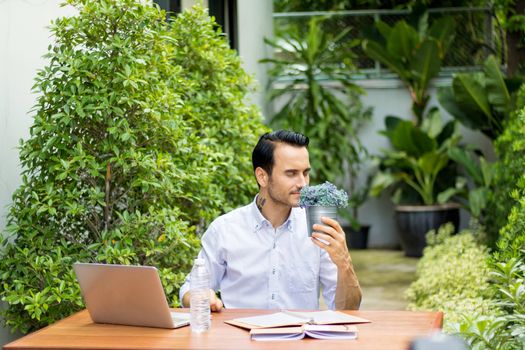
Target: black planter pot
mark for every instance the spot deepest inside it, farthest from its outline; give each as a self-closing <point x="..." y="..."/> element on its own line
<point x="357" y="239"/>
<point x="414" y="222"/>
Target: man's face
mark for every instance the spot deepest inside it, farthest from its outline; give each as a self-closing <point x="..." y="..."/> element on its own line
<point x="290" y="173"/>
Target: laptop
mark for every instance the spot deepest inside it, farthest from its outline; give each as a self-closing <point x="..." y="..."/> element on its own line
<point x="126" y="295"/>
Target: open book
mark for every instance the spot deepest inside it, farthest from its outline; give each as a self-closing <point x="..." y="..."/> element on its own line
<point x="296" y="333"/>
<point x="295" y="318"/>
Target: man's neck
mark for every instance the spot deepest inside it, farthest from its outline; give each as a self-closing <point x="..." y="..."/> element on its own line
<point x="275" y="213"/>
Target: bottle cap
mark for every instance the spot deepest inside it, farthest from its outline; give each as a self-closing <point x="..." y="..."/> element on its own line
<point x="199" y="261"/>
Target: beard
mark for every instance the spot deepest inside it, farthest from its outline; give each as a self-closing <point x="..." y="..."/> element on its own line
<point x="283" y="199"/>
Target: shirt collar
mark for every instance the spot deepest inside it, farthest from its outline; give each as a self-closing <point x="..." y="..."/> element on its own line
<point x="259" y="221"/>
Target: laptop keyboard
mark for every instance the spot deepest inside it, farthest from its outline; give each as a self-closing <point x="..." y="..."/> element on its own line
<point x="180" y="316"/>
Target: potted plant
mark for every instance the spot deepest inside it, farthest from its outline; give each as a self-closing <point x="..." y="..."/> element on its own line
<point x="421" y="175"/>
<point x="321" y="200"/>
<point x="418" y="170"/>
<point x="311" y="78"/>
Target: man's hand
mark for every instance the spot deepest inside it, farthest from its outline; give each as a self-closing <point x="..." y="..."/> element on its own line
<point x="215" y="303"/>
<point x="348" y="292"/>
<point x="334" y="241"/>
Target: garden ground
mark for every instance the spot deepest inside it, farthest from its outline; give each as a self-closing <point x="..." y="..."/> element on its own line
<point x="384" y="276"/>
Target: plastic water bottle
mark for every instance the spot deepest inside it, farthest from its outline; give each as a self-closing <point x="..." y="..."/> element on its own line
<point x="199" y="297"/>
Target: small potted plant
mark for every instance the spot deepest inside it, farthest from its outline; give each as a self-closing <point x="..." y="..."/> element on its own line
<point x="321" y="200"/>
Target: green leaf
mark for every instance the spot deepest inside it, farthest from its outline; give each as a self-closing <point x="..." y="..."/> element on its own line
<point x="464" y="158"/>
<point x="498" y="95"/>
<point x="382" y="181"/>
<point x="477" y="199"/>
<point x="408" y="138"/>
<point x="447" y="99"/>
<point x="425" y="64"/>
<point x="443" y="30"/>
<point x="380" y="53"/>
<point x="402" y="42"/>
<point x="471" y="94"/>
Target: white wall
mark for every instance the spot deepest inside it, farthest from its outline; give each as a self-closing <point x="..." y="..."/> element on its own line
<point x="23" y="40"/>
<point x="255" y="23"/>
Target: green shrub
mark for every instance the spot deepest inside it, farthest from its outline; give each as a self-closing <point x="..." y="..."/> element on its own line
<point x="452" y="276"/>
<point x="510" y="148"/>
<point x="511" y="243"/>
<point x="140" y="137"/>
<point x="506" y="328"/>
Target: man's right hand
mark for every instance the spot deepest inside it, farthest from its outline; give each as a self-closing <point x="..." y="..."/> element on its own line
<point x="215" y="303"/>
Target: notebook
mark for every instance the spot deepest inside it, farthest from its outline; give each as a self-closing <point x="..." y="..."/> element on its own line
<point x="126" y="295"/>
<point x="310" y="330"/>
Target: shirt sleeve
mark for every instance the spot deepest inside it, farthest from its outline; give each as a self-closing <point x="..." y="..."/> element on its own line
<point x="213" y="254"/>
<point x="328" y="279"/>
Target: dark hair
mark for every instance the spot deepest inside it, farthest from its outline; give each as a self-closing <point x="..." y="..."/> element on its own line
<point x="262" y="155"/>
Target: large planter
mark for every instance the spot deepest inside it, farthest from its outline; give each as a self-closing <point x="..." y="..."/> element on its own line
<point x="414" y="222"/>
<point x="357" y="239"/>
<point x="314" y="213"/>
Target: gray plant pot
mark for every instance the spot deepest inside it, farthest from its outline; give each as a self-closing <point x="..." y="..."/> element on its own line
<point x="314" y="213"/>
<point x="414" y="222"/>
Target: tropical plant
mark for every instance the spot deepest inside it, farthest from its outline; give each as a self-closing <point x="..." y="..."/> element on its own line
<point x="481" y="172"/>
<point x="128" y="155"/>
<point x="313" y="83"/>
<point x="325" y="194"/>
<point x="418" y="168"/>
<point x="481" y="101"/>
<point x="414" y="54"/>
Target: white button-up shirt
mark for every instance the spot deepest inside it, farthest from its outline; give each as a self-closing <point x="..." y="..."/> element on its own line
<point x="257" y="266"/>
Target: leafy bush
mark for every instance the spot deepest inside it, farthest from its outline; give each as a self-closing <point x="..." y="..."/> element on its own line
<point x="140" y="137"/>
<point x="505" y="329"/>
<point x="510" y="147"/>
<point x="452" y="276"/>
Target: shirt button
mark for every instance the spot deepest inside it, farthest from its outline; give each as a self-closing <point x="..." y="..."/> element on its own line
<point x="273" y="271"/>
<point x="273" y="296"/>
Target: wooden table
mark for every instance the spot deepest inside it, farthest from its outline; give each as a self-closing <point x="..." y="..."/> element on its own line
<point x="388" y="330"/>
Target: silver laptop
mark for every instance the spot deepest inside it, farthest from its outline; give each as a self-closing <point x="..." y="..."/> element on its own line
<point x="127" y="295"/>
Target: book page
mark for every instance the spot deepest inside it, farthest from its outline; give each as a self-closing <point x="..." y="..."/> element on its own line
<point x="328" y="317"/>
<point x="273" y="320"/>
<point x="278" y="336"/>
<point x="331" y="331"/>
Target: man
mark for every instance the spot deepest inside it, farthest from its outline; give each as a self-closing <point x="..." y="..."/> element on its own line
<point x="260" y="256"/>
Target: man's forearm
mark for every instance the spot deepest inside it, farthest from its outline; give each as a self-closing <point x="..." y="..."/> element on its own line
<point x="348" y="292"/>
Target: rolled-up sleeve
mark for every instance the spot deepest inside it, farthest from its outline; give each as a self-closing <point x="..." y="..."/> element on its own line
<point x="328" y="279"/>
<point x="213" y="254"/>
